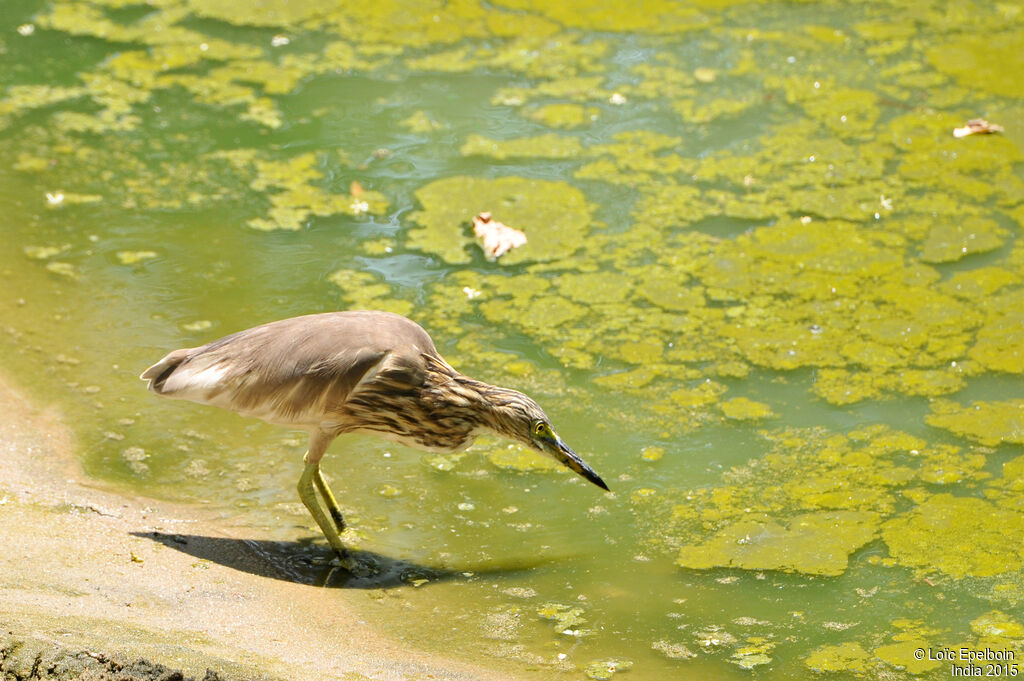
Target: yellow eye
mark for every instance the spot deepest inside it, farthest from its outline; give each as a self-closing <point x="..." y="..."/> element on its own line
<point x="540" y="429"/>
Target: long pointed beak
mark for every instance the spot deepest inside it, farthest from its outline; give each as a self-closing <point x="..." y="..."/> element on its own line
<point x="572" y="460"/>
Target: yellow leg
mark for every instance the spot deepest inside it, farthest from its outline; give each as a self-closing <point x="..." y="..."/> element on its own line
<point x="328" y="497"/>
<point x="310" y="474"/>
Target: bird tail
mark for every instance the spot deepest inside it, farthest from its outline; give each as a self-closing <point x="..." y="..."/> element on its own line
<point x="158" y="374"/>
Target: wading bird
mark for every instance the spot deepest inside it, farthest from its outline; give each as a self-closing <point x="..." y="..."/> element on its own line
<point x="353" y="372"/>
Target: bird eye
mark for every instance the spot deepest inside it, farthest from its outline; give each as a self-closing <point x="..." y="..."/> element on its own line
<point x="540" y="428"/>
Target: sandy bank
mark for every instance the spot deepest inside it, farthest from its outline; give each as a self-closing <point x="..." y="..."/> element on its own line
<point x="83" y="577"/>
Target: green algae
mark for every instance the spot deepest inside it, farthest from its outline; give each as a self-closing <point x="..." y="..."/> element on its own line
<point x="948" y="243"/>
<point x="607" y="288"/>
<point x="704" y="394"/>
<point x="754" y="654"/>
<point x="604" y="669"/>
<point x="517" y="458"/>
<point x="830" y="254"/>
<point x="563" y="116"/>
<point x="289" y="186"/>
<point x="704" y="111"/>
<point x="45" y="252"/>
<point x="673" y="651"/>
<point x="911" y="637"/>
<point x="625" y="162"/>
<point x="295" y="199"/>
<point x="812" y="543"/>
<point x="135" y="257"/>
<point x="549" y="145"/>
<point x="844" y="657"/>
<point x="420" y="122"/>
<point x="841" y="386"/>
<point x="290" y="192"/>
<point x="363" y="291"/>
<point x="566" y="619"/>
<point x="969" y="59"/>
<point x="554" y="215"/>
<point x="811" y="489"/>
<point x="63" y="269"/>
<point x="959" y="536"/>
<point x="639" y="158"/>
<point x="1007" y="490"/>
<point x="31" y="164"/>
<point x="989" y="423"/>
<point x="652" y="453"/>
<point x="378" y="247"/>
<point x="999" y="628"/>
<point x="664" y="75"/>
<point x="844" y="111"/>
<point x="999" y="343"/>
<point x="743" y="409"/>
<point x="23" y="98"/>
<point x="979" y="283"/>
<point x="904" y="655"/>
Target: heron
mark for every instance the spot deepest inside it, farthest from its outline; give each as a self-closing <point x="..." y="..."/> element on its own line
<point x="359" y="371"/>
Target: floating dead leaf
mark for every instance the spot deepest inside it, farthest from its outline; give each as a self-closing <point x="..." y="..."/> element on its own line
<point x="977" y="126"/>
<point x="497" y="238"/>
<point x="355" y="189"/>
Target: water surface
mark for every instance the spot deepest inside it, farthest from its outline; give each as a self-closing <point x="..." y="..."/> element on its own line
<point x="767" y="294"/>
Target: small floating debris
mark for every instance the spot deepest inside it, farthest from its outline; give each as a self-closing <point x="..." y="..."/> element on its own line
<point x="57" y="198"/>
<point x="64" y="269"/>
<point x="567" y="618"/>
<point x="135" y="458"/>
<point x="420" y="122"/>
<point x="389" y="491"/>
<point x="135" y="257"/>
<point x="749" y="657"/>
<point x="498" y="239"/>
<point x="602" y="670"/>
<point x="652" y="453"/>
<point x="705" y="75"/>
<point x="977" y="126"/>
<point x="674" y="651"/>
<point x="198" y="325"/>
<point x="45" y="252"/>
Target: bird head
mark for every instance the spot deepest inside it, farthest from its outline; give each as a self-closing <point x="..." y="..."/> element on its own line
<point x="523" y="420"/>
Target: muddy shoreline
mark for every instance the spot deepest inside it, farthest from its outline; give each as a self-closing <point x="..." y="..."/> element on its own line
<point x="98" y="584"/>
<point x="33" y="659"/>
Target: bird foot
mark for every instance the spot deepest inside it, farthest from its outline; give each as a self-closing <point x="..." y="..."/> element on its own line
<point x="355" y="566"/>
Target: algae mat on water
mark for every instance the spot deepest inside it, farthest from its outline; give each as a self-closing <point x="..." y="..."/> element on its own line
<point x="748" y="224"/>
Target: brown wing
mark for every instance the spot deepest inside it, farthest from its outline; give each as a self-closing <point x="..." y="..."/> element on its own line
<point x="296" y="371"/>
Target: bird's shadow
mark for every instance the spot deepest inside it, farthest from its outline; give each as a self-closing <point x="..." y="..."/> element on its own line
<point x="307" y="563"/>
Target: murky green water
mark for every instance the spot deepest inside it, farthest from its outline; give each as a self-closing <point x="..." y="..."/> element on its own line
<point x="767" y="294"/>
